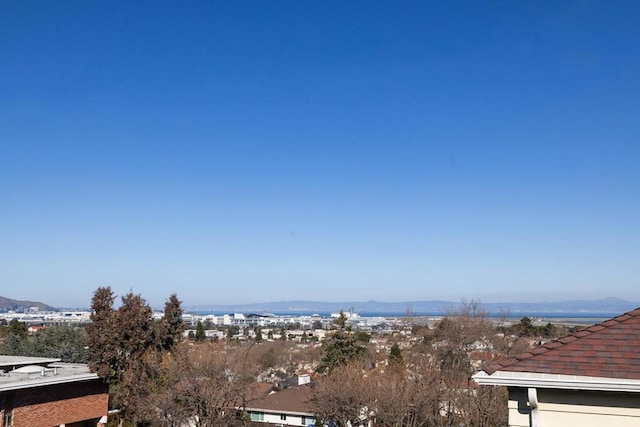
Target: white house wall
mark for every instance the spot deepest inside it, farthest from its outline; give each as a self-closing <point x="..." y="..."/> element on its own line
<point x="561" y="408"/>
<point x="275" y="419"/>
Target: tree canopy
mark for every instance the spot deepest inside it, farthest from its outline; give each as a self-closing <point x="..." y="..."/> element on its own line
<point x="342" y="347"/>
<point x="117" y="338"/>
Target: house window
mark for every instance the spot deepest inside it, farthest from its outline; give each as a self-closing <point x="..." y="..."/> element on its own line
<point x="256" y="416"/>
<point x="283" y="417"/>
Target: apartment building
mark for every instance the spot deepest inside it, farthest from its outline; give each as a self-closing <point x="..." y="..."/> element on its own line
<point x="44" y="392"/>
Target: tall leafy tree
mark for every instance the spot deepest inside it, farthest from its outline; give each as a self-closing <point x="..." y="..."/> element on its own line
<point x="136" y="333"/>
<point x="102" y="337"/>
<point x="341" y="348"/>
<point x="172" y="325"/>
<point x="126" y="345"/>
<point x="118" y="338"/>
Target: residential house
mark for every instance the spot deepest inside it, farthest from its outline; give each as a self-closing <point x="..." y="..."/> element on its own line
<point x="288" y="407"/>
<point x="589" y="378"/>
<point x="37" y="391"/>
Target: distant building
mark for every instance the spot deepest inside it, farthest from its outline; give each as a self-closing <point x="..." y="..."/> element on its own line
<point x="37" y="391"/>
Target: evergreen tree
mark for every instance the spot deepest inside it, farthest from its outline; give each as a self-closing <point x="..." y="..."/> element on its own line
<point x="395" y="356"/>
<point x="101" y="334"/>
<point x="341" y="321"/>
<point x="200" y="334"/>
<point x="118" y="338"/>
<point x="136" y="331"/>
<point x="126" y="345"/>
<point x="341" y="348"/>
<point x="18" y="328"/>
<point x="172" y="324"/>
<point x="63" y="342"/>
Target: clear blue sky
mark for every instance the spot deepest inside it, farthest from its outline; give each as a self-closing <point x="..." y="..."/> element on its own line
<point x="252" y="151"/>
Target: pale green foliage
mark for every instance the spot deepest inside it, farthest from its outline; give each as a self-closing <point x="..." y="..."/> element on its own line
<point x="61" y="342"/>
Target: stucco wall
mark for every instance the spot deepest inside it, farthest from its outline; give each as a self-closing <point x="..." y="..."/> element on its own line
<point x="561" y="408"/>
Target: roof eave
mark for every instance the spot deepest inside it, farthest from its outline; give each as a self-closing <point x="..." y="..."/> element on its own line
<point x="556" y="381"/>
<point x="278" y="411"/>
<point x="19" y="385"/>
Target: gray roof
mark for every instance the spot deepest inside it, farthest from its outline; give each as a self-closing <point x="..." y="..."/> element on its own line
<point x="12" y="362"/>
<point x="29" y="375"/>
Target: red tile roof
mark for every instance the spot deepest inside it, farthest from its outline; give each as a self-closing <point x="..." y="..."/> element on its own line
<point x="610" y="349"/>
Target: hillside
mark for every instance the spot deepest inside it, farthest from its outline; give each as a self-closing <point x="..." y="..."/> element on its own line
<point x="13" y="304"/>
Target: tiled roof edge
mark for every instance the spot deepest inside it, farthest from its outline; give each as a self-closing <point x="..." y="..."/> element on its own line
<point x="559" y="343"/>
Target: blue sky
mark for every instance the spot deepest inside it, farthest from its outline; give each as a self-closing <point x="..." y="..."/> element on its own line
<point x="259" y="151"/>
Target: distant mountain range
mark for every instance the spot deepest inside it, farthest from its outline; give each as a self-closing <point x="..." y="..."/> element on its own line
<point x="14" y="304"/>
<point x="603" y="306"/>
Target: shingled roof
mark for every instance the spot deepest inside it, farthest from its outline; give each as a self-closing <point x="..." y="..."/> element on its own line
<point x="610" y="349"/>
<point x="293" y="400"/>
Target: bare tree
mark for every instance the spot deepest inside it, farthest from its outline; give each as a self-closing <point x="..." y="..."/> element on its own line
<point x="406" y="397"/>
<point x="343" y="396"/>
<point x="458" y="337"/>
<point x="192" y="386"/>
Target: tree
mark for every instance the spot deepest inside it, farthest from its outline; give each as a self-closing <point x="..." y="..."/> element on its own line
<point x="102" y="335"/>
<point x="458" y="335"/>
<point x="267" y="359"/>
<point x="172" y="325"/>
<point x="341" y="348"/>
<point x="18" y="328"/>
<point x="124" y="342"/>
<point x="63" y="342"/>
<point x="343" y="396"/>
<point x="230" y="332"/>
<point x="135" y="327"/>
<point x="16" y="343"/>
<point x="526" y="328"/>
<point x="362" y="336"/>
<point x="200" y="334"/>
<point x="193" y="387"/>
<point x="341" y="321"/>
<point x="406" y="398"/>
<point x="258" y="334"/>
<point x="395" y="356"/>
